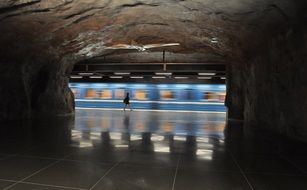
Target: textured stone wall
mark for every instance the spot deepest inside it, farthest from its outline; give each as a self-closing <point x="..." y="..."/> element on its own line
<point x="276" y="87"/>
<point x="35" y="87"/>
<point x="268" y="87"/>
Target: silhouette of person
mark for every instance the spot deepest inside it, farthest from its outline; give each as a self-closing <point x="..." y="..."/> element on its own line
<point x="127" y="102"/>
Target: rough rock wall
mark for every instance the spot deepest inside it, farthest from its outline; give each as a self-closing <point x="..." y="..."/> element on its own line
<point x="35" y="87"/>
<point x="41" y="39"/>
<point x="269" y="84"/>
<point x="276" y="87"/>
<point x="34" y="75"/>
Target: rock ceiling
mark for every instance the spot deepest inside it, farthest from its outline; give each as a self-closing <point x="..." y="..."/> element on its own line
<point x="89" y="28"/>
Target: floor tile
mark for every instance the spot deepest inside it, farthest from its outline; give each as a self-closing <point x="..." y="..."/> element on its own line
<point x="97" y="155"/>
<point x="24" y="186"/>
<point x="268" y="164"/>
<point x="277" y="182"/>
<point x="137" y="178"/>
<point x="14" y="148"/>
<point x="194" y="179"/>
<point x="209" y="162"/>
<point x="299" y="162"/>
<point x="148" y="149"/>
<point x="48" y="152"/>
<point x="71" y="174"/>
<point x="17" y="168"/>
<point x="152" y="159"/>
<point x="4" y="184"/>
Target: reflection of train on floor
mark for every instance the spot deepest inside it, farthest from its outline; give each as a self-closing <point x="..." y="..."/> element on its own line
<point x="196" y="97"/>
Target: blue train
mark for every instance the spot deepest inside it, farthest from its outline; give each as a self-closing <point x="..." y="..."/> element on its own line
<point x="193" y="97"/>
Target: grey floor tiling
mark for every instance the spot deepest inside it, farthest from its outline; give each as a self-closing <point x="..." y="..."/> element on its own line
<point x="266" y="164"/>
<point x="24" y="186"/>
<point x="17" y="168"/>
<point x="277" y="182"/>
<point x="48" y="152"/>
<point x="4" y="184"/>
<point x="113" y="150"/>
<point x="71" y="174"/>
<point x="209" y="162"/>
<point x="195" y="179"/>
<point x="137" y="178"/>
<point x="152" y="160"/>
<point x="97" y="155"/>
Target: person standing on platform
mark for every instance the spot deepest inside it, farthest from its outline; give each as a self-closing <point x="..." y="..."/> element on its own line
<point x="127" y="102"/>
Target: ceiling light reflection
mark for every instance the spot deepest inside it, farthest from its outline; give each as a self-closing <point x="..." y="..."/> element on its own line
<point x="121" y="146"/>
<point x="85" y="144"/>
<point x="115" y="136"/>
<point x="135" y="137"/>
<point x="157" y="138"/>
<point x="202" y="139"/>
<point x="204" y="154"/>
<point x="163" y="149"/>
<point x="180" y="138"/>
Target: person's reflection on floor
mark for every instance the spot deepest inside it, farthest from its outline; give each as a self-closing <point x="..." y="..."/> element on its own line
<point x="126" y="130"/>
<point x="126" y="121"/>
<point x="105" y="139"/>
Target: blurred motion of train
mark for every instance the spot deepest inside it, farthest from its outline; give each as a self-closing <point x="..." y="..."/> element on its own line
<point x="193" y="97"/>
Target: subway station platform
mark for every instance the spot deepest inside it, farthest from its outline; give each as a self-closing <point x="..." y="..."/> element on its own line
<point x="145" y="150"/>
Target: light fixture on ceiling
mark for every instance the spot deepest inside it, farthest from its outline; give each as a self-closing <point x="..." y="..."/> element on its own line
<point x="116" y="77"/>
<point x="204" y="78"/>
<point x="163" y="73"/>
<point x="76" y="77"/>
<point x="158" y="77"/>
<point x="206" y="74"/>
<point x="95" y="77"/>
<point x="136" y="77"/>
<point x="135" y="46"/>
<point x="181" y="77"/>
<point x="223" y="78"/>
<point x="86" y="74"/>
<point x="214" y="40"/>
<point x="121" y="73"/>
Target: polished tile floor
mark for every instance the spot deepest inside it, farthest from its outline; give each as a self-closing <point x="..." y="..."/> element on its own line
<point x="116" y="150"/>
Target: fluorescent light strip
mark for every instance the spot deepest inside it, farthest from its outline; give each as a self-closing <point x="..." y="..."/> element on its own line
<point x="121" y="73"/>
<point x="86" y="74"/>
<point x="95" y="77"/>
<point x="163" y="73"/>
<point x="223" y="78"/>
<point x="204" y="78"/>
<point x="116" y="77"/>
<point x="181" y="77"/>
<point x="76" y="77"/>
<point x="158" y="77"/>
<point x="136" y="77"/>
<point x="208" y="74"/>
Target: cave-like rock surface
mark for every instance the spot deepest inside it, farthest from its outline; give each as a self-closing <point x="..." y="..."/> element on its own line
<point x="262" y="41"/>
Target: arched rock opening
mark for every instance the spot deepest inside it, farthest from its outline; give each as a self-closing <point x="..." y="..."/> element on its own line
<point x="263" y="42"/>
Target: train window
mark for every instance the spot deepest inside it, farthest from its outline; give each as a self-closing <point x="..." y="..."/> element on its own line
<point x="92" y="93"/>
<point x="106" y="94"/>
<point x="222" y="96"/>
<point x="211" y="96"/>
<point x="120" y="93"/>
<point x="187" y="94"/>
<point x="76" y="92"/>
<point x="167" y="126"/>
<point x="167" y="95"/>
<point x="141" y="95"/>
